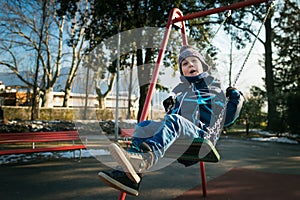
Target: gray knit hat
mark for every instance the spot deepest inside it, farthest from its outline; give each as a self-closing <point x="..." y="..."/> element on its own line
<point x="188" y="51"/>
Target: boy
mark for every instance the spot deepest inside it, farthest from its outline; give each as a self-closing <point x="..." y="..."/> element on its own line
<point x="198" y="108"/>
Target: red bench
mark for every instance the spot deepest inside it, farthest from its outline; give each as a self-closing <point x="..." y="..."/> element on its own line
<point x="43" y="138"/>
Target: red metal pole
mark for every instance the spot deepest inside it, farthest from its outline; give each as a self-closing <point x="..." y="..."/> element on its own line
<point x="203" y="177"/>
<point x="175" y="13"/>
<point x="122" y="196"/>
<point x="220" y="9"/>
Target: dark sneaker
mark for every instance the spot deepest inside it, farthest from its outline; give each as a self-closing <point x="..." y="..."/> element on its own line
<point x="119" y="180"/>
<point x="133" y="163"/>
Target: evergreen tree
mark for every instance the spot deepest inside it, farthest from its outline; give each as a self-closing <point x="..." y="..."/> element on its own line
<point x="252" y="115"/>
<point x="287" y="64"/>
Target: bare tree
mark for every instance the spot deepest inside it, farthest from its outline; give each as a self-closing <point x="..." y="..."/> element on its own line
<point x="32" y="40"/>
<point x="33" y="35"/>
<point x="102" y="69"/>
<point x="80" y="18"/>
<point x="35" y="98"/>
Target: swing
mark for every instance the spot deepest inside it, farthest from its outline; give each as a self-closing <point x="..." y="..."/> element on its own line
<point x="176" y="18"/>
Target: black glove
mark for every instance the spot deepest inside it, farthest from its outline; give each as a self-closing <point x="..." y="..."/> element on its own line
<point x="169" y="103"/>
<point x="229" y="91"/>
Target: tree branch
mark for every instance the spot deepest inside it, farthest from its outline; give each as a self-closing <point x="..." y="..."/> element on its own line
<point x="249" y="31"/>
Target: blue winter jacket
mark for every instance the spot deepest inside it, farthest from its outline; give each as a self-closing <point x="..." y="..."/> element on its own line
<point x="201" y="100"/>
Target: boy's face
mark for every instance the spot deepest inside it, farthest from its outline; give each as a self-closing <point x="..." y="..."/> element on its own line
<point x="191" y="66"/>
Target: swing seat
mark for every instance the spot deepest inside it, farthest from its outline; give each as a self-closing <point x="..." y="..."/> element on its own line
<point x="200" y="150"/>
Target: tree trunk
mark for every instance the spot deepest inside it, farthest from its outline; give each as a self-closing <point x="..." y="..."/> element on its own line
<point x="139" y="61"/>
<point x="270" y="77"/>
<point x="144" y="74"/>
<point x="35" y="111"/>
<point x="67" y="95"/>
<point x="247" y="125"/>
<point x="130" y="89"/>
<point x="47" y="97"/>
<point x="100" y="99"/>
<point x="101" y="96"/>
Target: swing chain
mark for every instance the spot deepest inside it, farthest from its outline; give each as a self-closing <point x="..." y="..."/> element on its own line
<point x="271" y="4"/>
<point x="215" y="130"/>
<point x="227" y="15"/>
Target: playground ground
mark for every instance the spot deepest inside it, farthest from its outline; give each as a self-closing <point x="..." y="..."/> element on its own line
<point x="247" y="170"/>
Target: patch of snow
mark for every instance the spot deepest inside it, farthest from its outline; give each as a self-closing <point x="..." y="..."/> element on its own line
<point x="273" y="137"/>
<point x="129" y="121"/>
<point x="87" y="121"/>
<point x="266" y="133"/>
<point x="15" y="158"/>
<point x="276" y="139"/>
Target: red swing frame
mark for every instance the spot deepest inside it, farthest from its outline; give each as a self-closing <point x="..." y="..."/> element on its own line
<point x="177" y="18"/>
